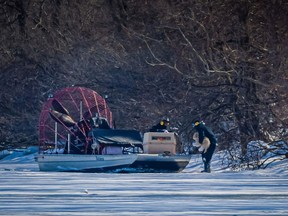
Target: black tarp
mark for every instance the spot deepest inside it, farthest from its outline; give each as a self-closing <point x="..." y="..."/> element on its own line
<point x="116" y="137"/>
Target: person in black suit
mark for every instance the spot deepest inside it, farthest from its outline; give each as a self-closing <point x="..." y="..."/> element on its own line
<point x="205" y="131"/>
<point x="162" y="126"/>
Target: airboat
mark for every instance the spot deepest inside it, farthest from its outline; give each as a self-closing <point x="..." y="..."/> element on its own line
<point x="76" y="134"/>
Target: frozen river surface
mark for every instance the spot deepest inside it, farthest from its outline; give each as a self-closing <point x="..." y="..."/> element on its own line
<point x="26" y="191"/>
<point x="38" y="193"/>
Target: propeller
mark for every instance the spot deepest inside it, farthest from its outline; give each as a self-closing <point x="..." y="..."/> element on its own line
<point x="62" y="118"/>
<point x="61" y="115"/>
<point x="57" y="106"/>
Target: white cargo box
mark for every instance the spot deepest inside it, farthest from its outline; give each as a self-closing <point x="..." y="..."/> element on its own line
<point x="159" y="142"/>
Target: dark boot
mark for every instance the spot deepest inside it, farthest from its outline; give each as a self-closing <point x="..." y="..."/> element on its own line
<point x="206" y="168"/>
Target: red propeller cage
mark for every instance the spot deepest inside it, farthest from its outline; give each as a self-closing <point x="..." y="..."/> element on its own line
<point x="81" y="103"/>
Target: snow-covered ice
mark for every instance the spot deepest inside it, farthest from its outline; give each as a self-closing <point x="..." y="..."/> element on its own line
<point x="26" y="191"/>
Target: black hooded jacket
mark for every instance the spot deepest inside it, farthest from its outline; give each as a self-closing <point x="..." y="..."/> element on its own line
<point x="205" y="132"/>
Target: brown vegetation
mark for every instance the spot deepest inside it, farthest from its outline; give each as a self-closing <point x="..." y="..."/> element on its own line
<point x="221" y="61"/>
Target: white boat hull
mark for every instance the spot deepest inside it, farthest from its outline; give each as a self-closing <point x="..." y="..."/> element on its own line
<point x="83" y="163"/>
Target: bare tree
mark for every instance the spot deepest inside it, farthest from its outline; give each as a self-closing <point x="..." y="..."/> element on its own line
<point x="235" y="69"/>
<point x="223" y="62"/>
